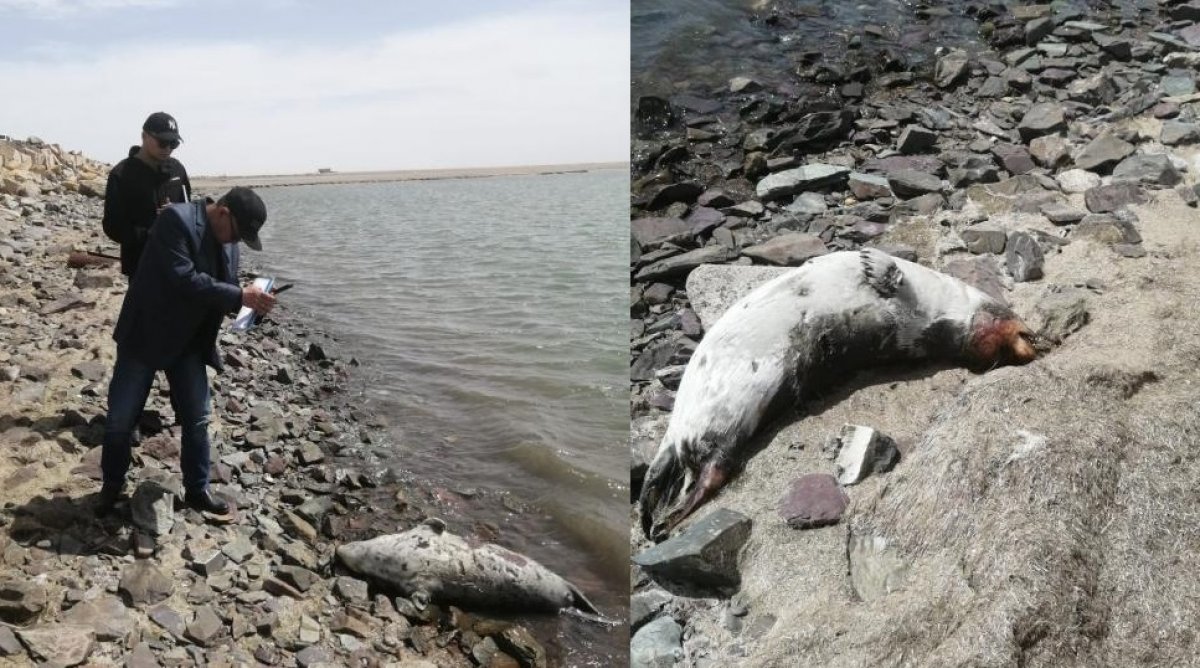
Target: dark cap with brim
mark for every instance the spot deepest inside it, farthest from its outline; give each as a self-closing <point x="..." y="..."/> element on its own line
<point x="249" y="212"/>
<point x="163" y="126"/>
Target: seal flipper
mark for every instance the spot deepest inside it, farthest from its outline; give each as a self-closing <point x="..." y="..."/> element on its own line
<point x="581" y="602"/>
<point x="712" y="478"/>
<point x="880" y="271"/>
<point x="664" y="481"/>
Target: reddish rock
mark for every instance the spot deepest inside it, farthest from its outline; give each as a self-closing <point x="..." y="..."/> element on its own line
<point x="814" y="500"/>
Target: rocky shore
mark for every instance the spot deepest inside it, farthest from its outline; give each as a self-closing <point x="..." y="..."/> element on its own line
<point x="157" y="584"/>
<point x="1025" y="516"/>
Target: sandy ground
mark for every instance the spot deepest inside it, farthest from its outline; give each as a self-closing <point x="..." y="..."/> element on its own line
<point x="220" y="182"/>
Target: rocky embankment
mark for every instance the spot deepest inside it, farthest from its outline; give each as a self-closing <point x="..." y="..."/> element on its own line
<point x="156" y="583"/>
<point x="1038" y="515"/>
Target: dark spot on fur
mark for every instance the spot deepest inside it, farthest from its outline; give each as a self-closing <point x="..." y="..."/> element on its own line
<point x="943" y="337"/>
<point x="701" y="361"/>
<point x="754" y="366"/>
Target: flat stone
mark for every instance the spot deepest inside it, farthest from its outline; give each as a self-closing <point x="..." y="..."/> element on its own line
<point x="645" y="606"/>
<point x="1024" y="258"/>
<point x="916" y="139"/>
<point x="1120" y="48"/>
<point x="351" y="590"/>
<point x="206" y="626"/>
<point x="1015" y="159"/>
<point x="21" y="601"/>
<point x="9" y="644"/>
<point x="910" y="183"/>
<point x="1062" y="214"/>
<point x="1041" y="119"/>
<point x="1077" y="180"/>
<point x="299" y="577"/>
<point x="681" y="265"/>
<point x="985" y="238"/>
<point x="206" y="561"/>
<point x="153" y="507"/>
<point x="310" y="657"/>
<point x="239" y="549"/>
<point x="310" y="630"/>
<point x="1105" y="199"/>
<point x="650" y="232"/>
<point x="107" y="616"/>
<point x="669" y="194"/>
<point x="789" y="250"/>
<point x="60" y="644"/>
<point x="813" y="500"/>
<point x="310" y="453"/>
<point x="808" y="204"/>
<point x="1050" y="151"/>
<point x="1178" y="84"/>
<point x="1148" y="169"/>
<point x="658" y="644"/>
<point x="869" y="186"/>
<point x="1061" y="312"/>
<point x="862" y="451"/>
<point x="782" y="185"/>
<point x="982" y="272"/>
<point x="1175" y="133"/>
<point x="951" y="69"/>
<point x="168" y="618"/>
<point x="1103" y="153"/>
<point x="145" y="584"/>
<point x="705" y="553"/>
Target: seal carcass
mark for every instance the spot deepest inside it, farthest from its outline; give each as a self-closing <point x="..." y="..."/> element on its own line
<point x="807" y="327"/>
<point x="428" y="563"/>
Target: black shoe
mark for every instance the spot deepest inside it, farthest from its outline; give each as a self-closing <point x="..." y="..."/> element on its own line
<point x="203" y="500"/>
<point x="107" y="497"/>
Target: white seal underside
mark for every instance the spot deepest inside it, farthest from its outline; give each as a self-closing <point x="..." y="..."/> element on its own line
<point x="751" y="352"/>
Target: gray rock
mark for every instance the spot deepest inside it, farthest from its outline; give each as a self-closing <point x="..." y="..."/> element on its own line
<point x="1189" y="194"/>
<point x="239" y="549"/>
<point x="681" y="265"/>
<point x="300" y="578"/>
<point x="1094" y="90"/>
<point x="813" y="500"/>
<point x="1130" y="250"/>
<point x="310" y="453"/>
<point x="1175" y="133"/>
<point x="672" y="193"/>
<point x="916" y="139"/>
<point x="781" y="185"/>
<point x="1149" y="169"/>
<point x="1105" y="199"/>
<point x="658" y="644"/>
<point x="107" y="616"/>
<point x="21" y="601"/>
<point x="911" y="183"/>
<point x="704" y="554"/>
<point x="862" y="451"/>
<point x="1077" y="180"/>
<point x="869" y="186"/>
<point x="714" y="288"/>
<point x="9" y="644"/>
<point x="1120" y="48"/>
<point x="982" y="272"/>
<point x="1050" y="151"/>
<point x="875" y="571"/>
<point x="1024" y="258"/>
<point x="153" y="507"/>
<point x="811" y="204"/>
<point x="1062" y="214"/>
<point x="206" y="626"/>
<point x="351" y="590"/>
<point x="1178" y="84"/>
<point x="789" y="250"/>
<point x="650" y="232"/>
<point x="1015" y="159"/>
<point x="985" y="238"/>
<point x="645" y="605"/>
<point x="59" y="644"/>
<point x="1106" y="228"/>
<point x="1061" y="312"/>
<point x="1103" y="153"/>
<point x="205" y="561"/>
<point x="951" y="69"/>
<point x="143" y="583"/>
<point x="1042" y="119"/>
<point x="311" y="657"/>
<point x="168" y="618"/>
<point x="743" y="85"/>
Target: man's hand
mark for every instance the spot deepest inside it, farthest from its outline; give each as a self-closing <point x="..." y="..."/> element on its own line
<point x="254" y="297"/>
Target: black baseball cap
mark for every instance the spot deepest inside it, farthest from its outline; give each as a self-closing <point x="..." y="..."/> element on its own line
<point x="249" y="212"/>
<point x="163" y="126"/>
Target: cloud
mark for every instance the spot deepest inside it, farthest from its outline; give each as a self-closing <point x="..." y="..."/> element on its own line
<point x="61" y="8"/>
<point x="515" y="89"/>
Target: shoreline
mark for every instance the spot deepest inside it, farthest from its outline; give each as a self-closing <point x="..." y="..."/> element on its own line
<point x="220" y="182"/>
<point x="293" y="450"/>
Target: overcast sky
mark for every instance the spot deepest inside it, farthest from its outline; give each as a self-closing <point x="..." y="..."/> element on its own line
<point x="286" y="86"/>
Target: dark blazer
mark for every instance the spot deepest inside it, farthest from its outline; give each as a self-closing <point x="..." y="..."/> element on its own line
<point x="185" y="284"/>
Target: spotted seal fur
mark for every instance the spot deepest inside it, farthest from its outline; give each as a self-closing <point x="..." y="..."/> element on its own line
<point x="807" y="327"/>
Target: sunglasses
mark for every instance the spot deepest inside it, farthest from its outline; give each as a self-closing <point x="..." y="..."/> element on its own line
<point x="174" y="144"/>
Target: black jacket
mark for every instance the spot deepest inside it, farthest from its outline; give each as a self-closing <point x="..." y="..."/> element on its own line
<point x="131" y="201"/>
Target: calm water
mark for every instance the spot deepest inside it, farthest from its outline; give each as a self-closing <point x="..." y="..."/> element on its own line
<point x="490" y="318"/>
<point x="696" y="46"/>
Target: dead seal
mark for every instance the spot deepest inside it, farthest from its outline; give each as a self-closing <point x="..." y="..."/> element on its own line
<point x="428" y="563"/>
<point x="803" y="329"/>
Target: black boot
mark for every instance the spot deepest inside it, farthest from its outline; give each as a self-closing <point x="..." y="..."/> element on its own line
<point x="107" y="497"/>
<point x="203" y="500"/>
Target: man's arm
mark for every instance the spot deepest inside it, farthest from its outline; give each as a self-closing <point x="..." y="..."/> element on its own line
<point x="116" y="218"/>
<point x="169" y="241"/>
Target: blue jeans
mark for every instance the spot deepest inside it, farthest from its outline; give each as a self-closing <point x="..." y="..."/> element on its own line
<point x="127" y="393"/>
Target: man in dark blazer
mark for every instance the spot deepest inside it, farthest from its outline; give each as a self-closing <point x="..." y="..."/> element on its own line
<point x="185" y="284"/>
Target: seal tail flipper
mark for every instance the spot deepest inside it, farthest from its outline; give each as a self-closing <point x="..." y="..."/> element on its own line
<point x="880" y="271"/>
<point x="712" y="478"/>
<point x="664" y="481"/>
<point x="581" y="602"/>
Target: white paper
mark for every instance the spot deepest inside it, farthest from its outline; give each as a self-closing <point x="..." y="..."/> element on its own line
<point x="245" y="317"/>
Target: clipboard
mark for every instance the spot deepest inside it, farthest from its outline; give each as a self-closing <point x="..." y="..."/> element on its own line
<point x="245" y="317"/>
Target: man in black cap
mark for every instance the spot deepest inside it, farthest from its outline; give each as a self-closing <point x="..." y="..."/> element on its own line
<point x="185" y="284"/>
<point x="141" y="184"/>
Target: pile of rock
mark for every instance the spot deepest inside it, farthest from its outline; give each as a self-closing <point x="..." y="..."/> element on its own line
<point x="983" y="165"/>
<point x="156" y="583"/>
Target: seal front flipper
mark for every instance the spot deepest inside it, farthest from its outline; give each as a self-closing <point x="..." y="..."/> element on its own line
<point x="880" y="271"/>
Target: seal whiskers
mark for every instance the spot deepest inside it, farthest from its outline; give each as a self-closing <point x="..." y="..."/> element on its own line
<point x="832" y="315"/>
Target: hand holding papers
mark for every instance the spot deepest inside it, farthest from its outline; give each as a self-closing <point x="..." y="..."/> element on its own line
<point x="246" y="317"/>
